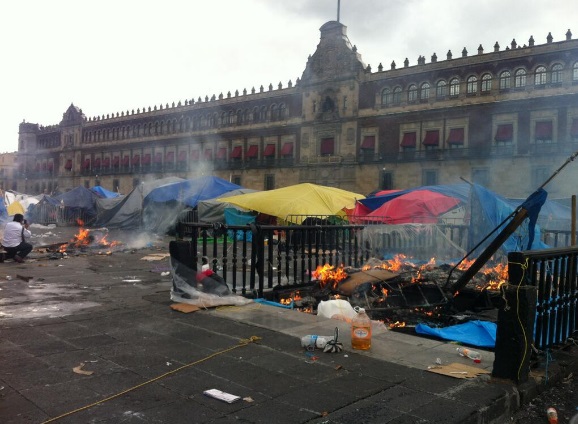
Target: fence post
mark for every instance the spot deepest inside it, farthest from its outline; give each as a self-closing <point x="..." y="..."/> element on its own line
<point x="516" y="317"/>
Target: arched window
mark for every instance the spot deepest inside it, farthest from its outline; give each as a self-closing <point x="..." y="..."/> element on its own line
<point x="412" y="93"/>
<point x="575" y="72"/>
<point x="520" y="78"/>
<point x="223" y="120"/>
<point x="231" y="120"/>
<point x="454" y="87"/>
<point x="255" y="114"/>
<point x="282" y="111"/>
<point x="441" y="89"/>
<point x="396" y="100"/>
<point x="273" y="112"/>
<point x="385" y="97"/>
<point x="472" y="85"/>
<point x="540" y="76"/>
<point x="424" y="91"/>
<point x="239" y="117"/>
<point x="263" y="114"/>
<point x="505" y="80"/>
<point x="486" y="83"/>
<point x="556" y="74"/>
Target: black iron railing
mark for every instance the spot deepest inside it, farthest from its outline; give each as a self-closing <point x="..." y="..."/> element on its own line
<point x="255" y="258"/>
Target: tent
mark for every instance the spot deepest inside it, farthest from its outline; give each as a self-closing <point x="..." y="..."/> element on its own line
<point x="104" y="193"/>
<point x="419" y="206"/>
<point x="297" y="202"/>
<point x="190" y="192"/>
<point x="127" y="213"/>
<point x="213" y="210"/>
<point x="69" y="207"/>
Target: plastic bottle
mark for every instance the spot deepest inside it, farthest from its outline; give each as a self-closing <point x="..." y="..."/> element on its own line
<point x="472" y="354"/>
<point x="361" y="331"/>
<point x="552" y="415"/>
<point x="313" y="341"/>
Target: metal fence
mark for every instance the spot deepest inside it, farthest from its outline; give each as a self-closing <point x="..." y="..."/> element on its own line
<point x="553" y="273"/>
<point x="256" y="258"/>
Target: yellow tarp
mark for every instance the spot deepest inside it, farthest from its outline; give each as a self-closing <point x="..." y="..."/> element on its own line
<point x="302" y="200"/>
<point x="14" y="208"/>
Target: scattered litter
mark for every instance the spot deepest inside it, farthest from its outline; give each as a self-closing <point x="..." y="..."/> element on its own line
<point x="220" y="395"/>
<point x="458" y="370"/>
<point x="164" y="274"/>
<point x="552" y="415"/>
<point x="79" y="370"/>
<point x="9" y="277"/>
<point x="24" y="278"/>
<point x="184" y="307"/>
<point x="169" y="364"/>
<point x="131" y="280"/>
<point x="155" y="256"/>
<point x="248" y="399"/>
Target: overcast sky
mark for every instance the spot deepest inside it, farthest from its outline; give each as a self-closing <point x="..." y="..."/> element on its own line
<point x="117" y="55"/>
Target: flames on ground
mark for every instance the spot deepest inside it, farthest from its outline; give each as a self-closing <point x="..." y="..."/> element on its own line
<point x="398" y="290"/>
<point x="87" y="238"/>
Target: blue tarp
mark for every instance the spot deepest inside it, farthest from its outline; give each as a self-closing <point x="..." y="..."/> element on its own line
<point x="190" y="192"/>
<point x="474" y="333"/>
<point x="234" y="216"/>
<point x="104" y="193"/>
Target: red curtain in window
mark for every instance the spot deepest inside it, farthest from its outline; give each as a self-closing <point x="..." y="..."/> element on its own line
<point x="136" y="160"/>
<point x="327" y="146"/>
<point x="269" y="150"/>
<point x="409" y="139"/>
<point x="505" y="132"/>
<point x="544" y="130"/>
<point x="237" y="152"/>
<point x="222" y="153"/>
<point x="146" y="159"/>
<point x="86" y="164"/>
<point x="125" y="160"/>
<point x="456" y="136"/>
<point x="68" y="164"/>
<point x="287" y="149"/>
<point x="432" y="138"/>
<point x="368" y="142"/>
<point x="252" y="151"/>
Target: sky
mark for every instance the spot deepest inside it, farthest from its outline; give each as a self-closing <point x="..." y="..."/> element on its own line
<point x="117" y="55"/>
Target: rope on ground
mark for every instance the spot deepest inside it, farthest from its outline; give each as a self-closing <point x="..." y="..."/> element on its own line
<point x="242" y="343"/>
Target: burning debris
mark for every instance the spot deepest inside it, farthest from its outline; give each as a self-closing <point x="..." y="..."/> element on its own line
<point x="398" y="291"/>
<point x="84" y="240"/>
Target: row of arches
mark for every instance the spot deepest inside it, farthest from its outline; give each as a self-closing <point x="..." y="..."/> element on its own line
<point x="506" y="80"/>
<point x="231" y="117"/>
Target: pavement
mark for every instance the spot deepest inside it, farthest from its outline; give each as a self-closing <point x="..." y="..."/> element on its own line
<point x="92" y="338"/>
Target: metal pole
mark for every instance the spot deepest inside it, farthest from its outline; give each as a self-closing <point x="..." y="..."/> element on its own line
<point x="573" y="224"/>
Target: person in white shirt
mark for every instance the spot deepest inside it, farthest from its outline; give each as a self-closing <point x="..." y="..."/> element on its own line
<point x="14" y="240"/>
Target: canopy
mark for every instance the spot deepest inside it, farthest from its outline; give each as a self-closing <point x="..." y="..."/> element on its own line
<point x="14" y="208"/>
<point x="295" y="203"/>
<point x="419" y="206"/>
<point x="190" y="192"/>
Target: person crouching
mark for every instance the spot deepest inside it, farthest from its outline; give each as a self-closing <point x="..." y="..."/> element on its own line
<point x="14" y="241"/>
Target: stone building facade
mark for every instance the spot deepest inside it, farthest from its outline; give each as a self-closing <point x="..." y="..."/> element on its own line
<point x="7" y="171"/>
<point x="505" y="118"/>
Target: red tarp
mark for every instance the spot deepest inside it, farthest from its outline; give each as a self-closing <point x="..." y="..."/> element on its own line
<point x="418" y="206"/>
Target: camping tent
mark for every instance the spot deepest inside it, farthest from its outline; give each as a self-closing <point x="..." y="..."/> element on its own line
<point x="297" y="202"/>
<point x="127" y="213"/>
<point x="104" y="193"/>
<point x="78" y="203"/>
<point x="190" y="192"/>
<point x="213" y="210"/>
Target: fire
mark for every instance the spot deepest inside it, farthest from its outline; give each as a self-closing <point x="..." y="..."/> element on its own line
<point x="397" y="324"/>
<point x="328" y="274"/>
<point x="500" y="272"/>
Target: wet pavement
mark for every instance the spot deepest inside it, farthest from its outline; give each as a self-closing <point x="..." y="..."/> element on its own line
<point x="91" y="338"/>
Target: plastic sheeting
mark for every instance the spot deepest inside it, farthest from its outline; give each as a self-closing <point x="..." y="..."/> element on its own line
<point x="239" y="218"/>
<point x="213" y="210"/>
<point x="474" y="333"/>
<point x="104" y="193"/>
<point x="296" y="202"/>
<point x="200" y="289"/>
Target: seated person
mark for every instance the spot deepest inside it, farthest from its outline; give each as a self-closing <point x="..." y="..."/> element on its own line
<point x="14" y="241"/>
